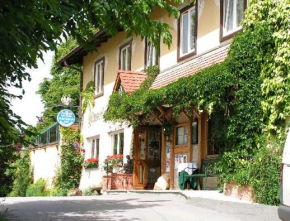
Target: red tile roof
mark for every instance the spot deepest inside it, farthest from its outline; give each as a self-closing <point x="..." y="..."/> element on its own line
<point x="130" y="80"/>
<point x="191" y="67"/>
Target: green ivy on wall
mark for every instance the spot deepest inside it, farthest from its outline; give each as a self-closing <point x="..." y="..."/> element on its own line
<point x="69" y="173"/>
<point x="206" y="90"/>
<point x="88" y="96"/>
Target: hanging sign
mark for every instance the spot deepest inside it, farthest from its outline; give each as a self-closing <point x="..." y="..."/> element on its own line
<point x="66" y="118"/>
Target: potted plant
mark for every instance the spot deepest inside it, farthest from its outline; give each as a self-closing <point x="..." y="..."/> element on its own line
<point x="91" y="163"/>
<point x="114" y="163"/>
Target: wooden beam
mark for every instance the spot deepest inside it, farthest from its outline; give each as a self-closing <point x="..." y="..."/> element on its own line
<point x="185" y="114"/>
<point x="157" y="117"/>
<point x="165" y="114"/>
<point x="195" y="111"/>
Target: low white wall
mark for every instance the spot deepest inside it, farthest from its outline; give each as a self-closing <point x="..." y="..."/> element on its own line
<point x="92" y="178"/>
<point x="45" y="161"/>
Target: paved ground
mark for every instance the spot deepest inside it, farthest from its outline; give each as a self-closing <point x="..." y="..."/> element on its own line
<point x="135" y="207"/>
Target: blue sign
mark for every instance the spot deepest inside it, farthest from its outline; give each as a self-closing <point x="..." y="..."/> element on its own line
<point x="66" y="118"/>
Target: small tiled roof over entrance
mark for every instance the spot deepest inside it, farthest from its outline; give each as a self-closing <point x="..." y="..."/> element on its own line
<point x="129" y="80"/>
<point x="191" y="67"/>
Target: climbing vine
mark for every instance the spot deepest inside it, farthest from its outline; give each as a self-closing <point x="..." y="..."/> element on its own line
<point x="88" y="96"/>
<point x="206" y="90"/>
<point x="69" y="173"/>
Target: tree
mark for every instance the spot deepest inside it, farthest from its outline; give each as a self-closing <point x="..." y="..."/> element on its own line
<point x="65" y="81"/>
<point x="28" y="28"/>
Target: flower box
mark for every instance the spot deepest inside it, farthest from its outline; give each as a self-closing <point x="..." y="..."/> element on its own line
<point x="91" y="163"/>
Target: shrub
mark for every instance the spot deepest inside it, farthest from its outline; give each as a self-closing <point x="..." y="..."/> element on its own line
<point x="88" y="192"/>
<point x="20" y="170"/>
<point x="265" y="175"/>
<point x="57" y="192"/>
<point x="37" y="188"/>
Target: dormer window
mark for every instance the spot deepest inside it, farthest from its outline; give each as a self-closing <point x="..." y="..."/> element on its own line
<point x="125" y="57"/>
<point x="232" y="13"/>
<point x="99" y="77"/>
<point x="187" y="32"/>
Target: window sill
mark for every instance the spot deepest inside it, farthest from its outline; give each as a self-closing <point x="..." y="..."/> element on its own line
<point x="99" y="95"/>
<point x="229" y="36"/>
<point x="186" y="56"/>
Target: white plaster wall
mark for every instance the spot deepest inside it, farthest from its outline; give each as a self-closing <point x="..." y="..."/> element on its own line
<point x="45" y="162"/>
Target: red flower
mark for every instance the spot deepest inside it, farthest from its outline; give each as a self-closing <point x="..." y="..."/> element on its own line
<point x="93" y="160"/>
<point x="115" y="156"/>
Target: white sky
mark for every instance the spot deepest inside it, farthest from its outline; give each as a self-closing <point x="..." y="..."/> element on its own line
<point x="30" y="106"/>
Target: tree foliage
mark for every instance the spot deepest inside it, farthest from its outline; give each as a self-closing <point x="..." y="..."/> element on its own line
<point x="29" y="28"/>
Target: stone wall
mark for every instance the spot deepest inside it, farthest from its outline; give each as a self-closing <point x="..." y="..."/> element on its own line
<point x="118" y="181"/>
<point x="240" y="192"/>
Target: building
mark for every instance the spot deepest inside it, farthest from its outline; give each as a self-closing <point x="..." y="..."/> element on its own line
<point x="201" y="38"/>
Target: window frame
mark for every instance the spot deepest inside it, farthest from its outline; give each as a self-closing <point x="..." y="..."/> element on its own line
<point x="181" y="57"/>
<point x="176" y="135"/>
<point x="118" y="142"/>
<point x="101" y="92"/>
<point x="157" y="54"/>
<point x="95" y="149"/>
<point x="231" y="34"/>
<point x="124" y="46"/>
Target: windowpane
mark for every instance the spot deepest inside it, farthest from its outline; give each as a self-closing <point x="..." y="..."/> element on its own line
<point x="185" y="33"/>
<point x="115" y="151"/>
<point x="52" y="138"/>
<point x="99" y="81"/>
<point x="128" y="59"/>
<point x="93" y="149"/>
<point x="151" y="55"/>
<point x="233" y="12"/>
<point x="123" y="60"/>
<point x="192" y="29"/>
<point x="97" y="148"/>
<point x="182" y="135"/>
<point x="121" y="148"/>
<point x="188" y="31"/>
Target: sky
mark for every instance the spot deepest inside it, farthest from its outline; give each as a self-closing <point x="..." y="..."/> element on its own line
<point x="30" y="106"/>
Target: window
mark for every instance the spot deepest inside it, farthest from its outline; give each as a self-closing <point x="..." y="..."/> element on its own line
<point x="232" y="13"/>
<point x="182" y="135"/>
<point x="95" y="149"/>
<point x="187" y="31"/>
<point x="214" y="135"/>
<point x="118" y="147"/>
<point x="125" y="57"/>
<point x="151" y="57"/>
<point x="99" y="76"/>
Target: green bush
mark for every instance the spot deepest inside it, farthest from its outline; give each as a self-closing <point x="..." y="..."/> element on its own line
<point x="88" y="192"/>
<point x="57" y="192"/>
<point x="265" y="175"/>
<point x="37" y="189"/>
<point x="20" y="170"/>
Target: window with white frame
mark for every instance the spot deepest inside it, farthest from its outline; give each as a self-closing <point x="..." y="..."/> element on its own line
<point x="99" y="76"/>
<point x="95" y="148"/>
<point x="125" y="57"/>
<point x="118" y="143"/>
<point x="187" y="31"/>
<point x="151" y="54"/>
<point x="232" y="15"/>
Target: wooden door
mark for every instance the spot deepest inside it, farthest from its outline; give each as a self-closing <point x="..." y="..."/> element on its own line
<point x="147" y="157"/>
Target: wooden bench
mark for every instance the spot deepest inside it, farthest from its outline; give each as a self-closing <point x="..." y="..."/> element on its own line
<point x="205" y="171"/>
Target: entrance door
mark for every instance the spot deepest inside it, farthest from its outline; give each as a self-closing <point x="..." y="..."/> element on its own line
<point x="147" y="155"/>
